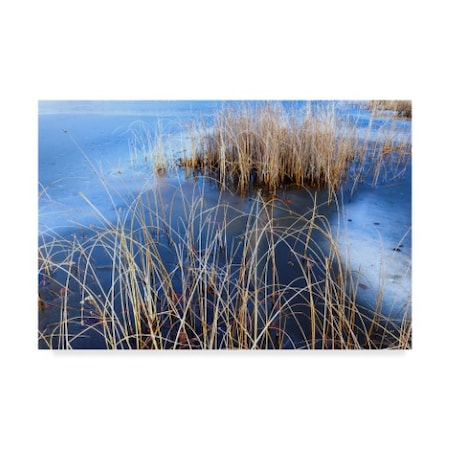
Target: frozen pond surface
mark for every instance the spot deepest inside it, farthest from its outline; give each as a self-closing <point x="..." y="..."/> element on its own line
<point x="86" y="159"/>
<point x="375" y="236"/>
<point x="85" y="147"/>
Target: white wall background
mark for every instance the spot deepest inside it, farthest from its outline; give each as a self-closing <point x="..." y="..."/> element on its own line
<point x="227" y="50"/>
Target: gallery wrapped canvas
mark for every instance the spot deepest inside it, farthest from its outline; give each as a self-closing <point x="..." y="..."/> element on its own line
<point x="224" y="225"/>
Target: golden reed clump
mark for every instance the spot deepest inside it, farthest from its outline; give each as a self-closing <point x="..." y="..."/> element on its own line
<point x="269" y="146"/>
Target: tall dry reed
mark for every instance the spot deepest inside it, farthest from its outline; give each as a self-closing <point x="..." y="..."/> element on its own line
<point x="180" y="277"/>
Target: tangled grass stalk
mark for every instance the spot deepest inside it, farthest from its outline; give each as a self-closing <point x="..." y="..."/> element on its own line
<point x="171" y="280"/>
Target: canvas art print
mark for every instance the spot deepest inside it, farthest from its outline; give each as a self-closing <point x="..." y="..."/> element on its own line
<point x="203" y="225"/>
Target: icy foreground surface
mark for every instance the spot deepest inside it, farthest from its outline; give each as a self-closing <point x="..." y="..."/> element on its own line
<point x="375" y="239"/>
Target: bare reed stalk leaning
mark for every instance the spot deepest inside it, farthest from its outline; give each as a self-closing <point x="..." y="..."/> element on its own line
<point x="203" y="301"/>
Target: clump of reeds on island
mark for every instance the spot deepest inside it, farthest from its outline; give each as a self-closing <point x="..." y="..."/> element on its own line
<point x="178" y="278"/>
<point x="402" y="108"/>
<point x="270" y="146"/>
